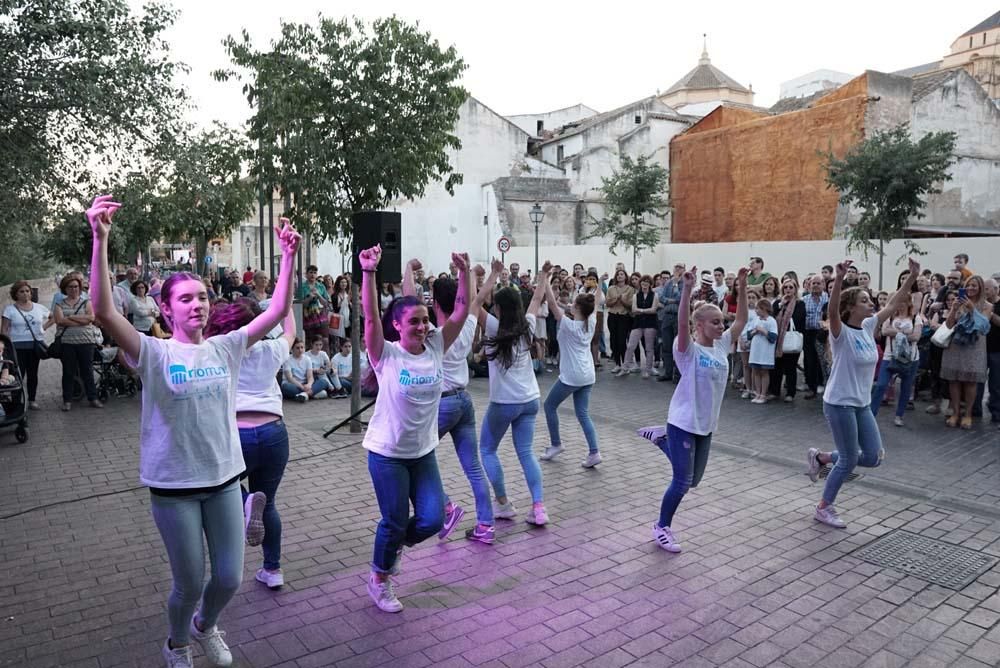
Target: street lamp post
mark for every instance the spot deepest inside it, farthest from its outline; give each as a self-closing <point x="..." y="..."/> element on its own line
<point x="536" y="214"/>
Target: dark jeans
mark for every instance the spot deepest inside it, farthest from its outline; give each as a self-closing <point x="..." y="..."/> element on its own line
<point x="812" y="346"/>
<point x="688" y="455"/>
<point x="397" y="482"/>
<point x="77" y="360"/>
<point x="785" y="367"/>
<point x="27" y="361"/>
<point x="668" y="332"/>
<point x="619" y="326"/>
<point x="265" y="454"/>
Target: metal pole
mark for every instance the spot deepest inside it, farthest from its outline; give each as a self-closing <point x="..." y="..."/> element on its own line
<point x="536" y="249"/>
<point x="270" y="238"/>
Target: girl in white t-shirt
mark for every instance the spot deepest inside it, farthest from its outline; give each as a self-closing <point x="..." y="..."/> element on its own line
<point x="513" y="395"/>
<point x="846" y="401"/>
<point x="703" y="361"/>
<point x="323" y="367"/>
<point x="300" y="384"/>
<point x="576" y="373"/>
<point x="403" y="431"/>
<point x="762" y="337"/>
<point x="190" y="455"/>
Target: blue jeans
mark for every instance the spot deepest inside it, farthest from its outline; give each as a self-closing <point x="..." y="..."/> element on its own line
<point x="265" y="453"/>
<point x="858" y="442"/>
<point x="521" y="420"/>
<point x="581" y="405"/>
<point x="290" y="391"/>
<point x="397" y="482"/>
<point x="185" y="523"/>
<point x="457" y="416"/>
<point x="886" y="372"/>
<point x="688" y="455"/>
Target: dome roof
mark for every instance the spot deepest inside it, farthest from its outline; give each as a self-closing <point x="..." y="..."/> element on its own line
<point x="706" y="76"/>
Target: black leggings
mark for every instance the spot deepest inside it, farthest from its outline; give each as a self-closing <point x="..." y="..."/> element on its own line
<point x="77" y="360"/>
<point x="785" y="367"/>
<point x="620" y="325"/>
<point x="27" y="361"/>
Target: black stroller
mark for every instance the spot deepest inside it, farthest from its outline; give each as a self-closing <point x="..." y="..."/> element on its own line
<point x="13" y="393"/>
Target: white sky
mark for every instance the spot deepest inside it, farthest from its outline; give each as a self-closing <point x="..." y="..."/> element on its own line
<point x="534" y="56"/>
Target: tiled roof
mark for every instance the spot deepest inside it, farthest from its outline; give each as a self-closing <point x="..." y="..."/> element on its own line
<point x="925" y="84"/>
<point x="706" y="76"/>
<point x="988" y="24"/>
<point x="919" y="69"/>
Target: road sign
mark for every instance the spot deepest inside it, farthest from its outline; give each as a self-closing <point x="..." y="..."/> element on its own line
<point x="208" y="259"/>
<point x="503" y="244"/>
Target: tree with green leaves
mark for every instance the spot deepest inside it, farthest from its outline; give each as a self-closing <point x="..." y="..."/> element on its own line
<point x="636" y="190"/>
<point x="888" y="177"/>
<point x="349" y="117"/>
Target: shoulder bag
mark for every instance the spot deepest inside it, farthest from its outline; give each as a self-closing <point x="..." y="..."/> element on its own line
<point x="55" y="350"/>
<point x="942" y="337"/>
<point x="41" y="350"/>
<point x="792" y="343"/>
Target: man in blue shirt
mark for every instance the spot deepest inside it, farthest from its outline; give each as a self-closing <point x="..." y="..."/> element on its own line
<point x="669" y="295"/>
<point x="814" y="338"/>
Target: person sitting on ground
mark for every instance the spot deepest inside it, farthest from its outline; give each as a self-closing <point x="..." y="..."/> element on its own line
<point x="299" y="383"/>
<point x="341" y="362"/>
<point x="323" y="368"/>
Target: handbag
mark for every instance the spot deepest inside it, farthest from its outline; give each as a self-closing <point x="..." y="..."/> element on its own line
<point x="942" y="337"/>
<point x="792" y="343"/>
<point x="41" y="350"/>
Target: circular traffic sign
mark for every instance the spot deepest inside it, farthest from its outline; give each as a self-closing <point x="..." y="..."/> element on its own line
<point x="503" y="244"/>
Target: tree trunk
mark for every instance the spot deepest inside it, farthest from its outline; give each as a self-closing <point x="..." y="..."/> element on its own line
<point x="355" y="357"/>
<point x="881" y="262"/>
<point x="200" y="253"/>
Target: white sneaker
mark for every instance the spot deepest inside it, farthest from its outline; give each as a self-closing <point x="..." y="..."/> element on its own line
<point x="812" y="462"/>
<point x="829" y="517"/>
<point x="273" y="579"/>
<point x="645" y="375"/>
<point x="654" y="433"/>
<point x="789" y="399"/>
<point x="383" y="595"/>
<point x="504" y="511"/>
<point x="537" y="516"/>
<point x="745" y="394"/>
<point x="664" y="537"/>
<point x="622" y="372"/>
<point x="301" y="397"/>
<point x="898" y="421"/>
<point x="212" y="644"/>
<point x="592" y="460"/>
<point x="551" y="452"/>
<point x="616" y="368"/>
<point x="320" y="395"/>
<point x="253" y="517"/>
<point x="179" y="657"/>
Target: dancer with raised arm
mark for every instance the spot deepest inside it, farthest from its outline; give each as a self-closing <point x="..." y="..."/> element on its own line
<point x="403" y="431"/>
<point x="702" y="357"/>
<point x="190" y="455"/>
<point x="847" y="400"/>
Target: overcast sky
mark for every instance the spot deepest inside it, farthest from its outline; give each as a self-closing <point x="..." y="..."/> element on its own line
<point x="533" y="56"/>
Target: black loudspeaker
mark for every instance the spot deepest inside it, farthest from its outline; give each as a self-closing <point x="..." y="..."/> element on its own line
<point x="379" y="227"/>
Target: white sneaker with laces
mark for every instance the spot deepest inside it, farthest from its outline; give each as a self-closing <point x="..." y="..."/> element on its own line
<point x="654" y="433"/>
<point x="273" y="579"/>
<point x="616" y="368"/>
<point x="504" y="511"/>
<point x="813" y="464"/>
<point x="253" y="517"/>
<point x="551" y="452"/>
<point x="179" y="657"/>
<point x="789" y="399"/>
<point x="664" y="537"/>
<point x="829" y="517"/>
<point x="212" y="644"/>
<point x="898" y="421"/>
<point x="320" y="395"/>
<point x="537" y="516"/>
<point x="383" y="595"/>
<point x="745" y="394"/>
<point x="592" y="460"/>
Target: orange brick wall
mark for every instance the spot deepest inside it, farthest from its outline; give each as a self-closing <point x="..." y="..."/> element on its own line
<point x="762" y="179"/>
<point x="722" y="117"/>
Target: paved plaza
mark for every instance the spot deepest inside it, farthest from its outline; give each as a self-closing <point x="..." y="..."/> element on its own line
<point x="759" y="583"/>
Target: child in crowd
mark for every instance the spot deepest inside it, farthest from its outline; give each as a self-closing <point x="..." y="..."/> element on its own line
<point x="341" y="364"/>
<point x="762" y="334"/>
<point x="323" y="368"/>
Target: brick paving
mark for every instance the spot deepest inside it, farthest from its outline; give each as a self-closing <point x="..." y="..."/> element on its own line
<point x="759" y="582"/>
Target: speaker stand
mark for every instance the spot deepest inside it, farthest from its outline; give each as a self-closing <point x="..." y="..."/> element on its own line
<point x="350" y="418"/>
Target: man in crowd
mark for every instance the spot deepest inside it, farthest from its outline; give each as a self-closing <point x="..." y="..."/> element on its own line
<point x="131" y="276"/>
<point x="719" y="274"/>
<point x="669" y="295"/>
<point x="814" y="338"/>
<point x="757" y="274"/>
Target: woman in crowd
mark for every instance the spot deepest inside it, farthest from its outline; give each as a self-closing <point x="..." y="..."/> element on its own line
<point x="619" y="304"/>
<point x="190" y="454"/>
<point x="259" y="292"/>
<point x="403" y="432"/>
<point x="513" y="395"/>
<point x="790" y="313"/>
<point x="644" y="308"/>
<point x="74" y="317"/>
<point x="770" y="289"/>
<point x="385" y="297"/>
<point x="552" y="344"/>
<point x="576" y="374"/>
<point x="315" y="305"/>
<point x="703" y="359"/>
<point x="25" y="322"/>
<point x="847" y="400"/>
<point x="938" y="316"/>
<point x="300" y="383"/>
<point x="142" y="308"/>
<point x="963" y="362"/>
<point x="900" y="357"/>
<point x="342" y="307"/>
<point x="263" y="436"/>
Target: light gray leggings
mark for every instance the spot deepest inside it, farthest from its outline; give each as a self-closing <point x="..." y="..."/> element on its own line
<point x="182" y="521"/>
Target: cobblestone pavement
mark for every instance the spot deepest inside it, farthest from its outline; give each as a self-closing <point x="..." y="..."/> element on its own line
<point x="759" y="582"/>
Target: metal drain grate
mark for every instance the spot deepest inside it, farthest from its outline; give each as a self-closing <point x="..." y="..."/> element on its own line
<point x="941" y="563"/>
<point x="824" y="471"/>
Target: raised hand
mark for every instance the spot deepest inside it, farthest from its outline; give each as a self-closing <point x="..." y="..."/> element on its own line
<point x="689" y="276"/>
<point x="370" y="257"/>
<point x="288" y="237"/>
<point x="742" y="274"/>
<point x="415" y="265"/>
<point x="914" y="268"/>
<point x="461" y="261"/>
<point x="496" y="265"/>
<point x="99" y="215"/>
<point x="842" y="268"/>
<point x="547" y="267"/>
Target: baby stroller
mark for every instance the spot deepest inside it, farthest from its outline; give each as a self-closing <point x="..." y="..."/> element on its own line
<point x="112" y="378"/>
<point x="13" y="393"/>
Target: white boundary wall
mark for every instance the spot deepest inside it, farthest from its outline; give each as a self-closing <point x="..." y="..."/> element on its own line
<point x="803" y="257"/>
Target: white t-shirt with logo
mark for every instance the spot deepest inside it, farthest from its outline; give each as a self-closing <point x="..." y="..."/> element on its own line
<point x="258" y="388"/>
<point x="854" y="358"/>
<point x="343" y="364"/>
<point x="696" y="402"/>
<point x="404" y="425"/>
<point x="318" y="360"/>
<point x="19" y="321"/>
<point x="576" y="365"/>
<point x="456" y="360"/>
<point x="188" y="434"/>
<point x="516" y="385"/>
